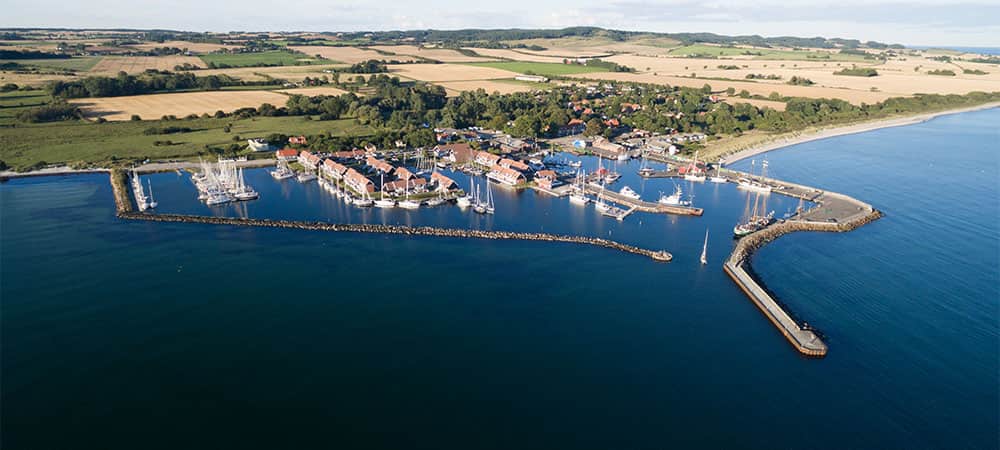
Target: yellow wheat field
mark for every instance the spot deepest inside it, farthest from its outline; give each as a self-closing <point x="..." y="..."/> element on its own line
<point x="154" y="106"/>
<point x="110" y="65"/>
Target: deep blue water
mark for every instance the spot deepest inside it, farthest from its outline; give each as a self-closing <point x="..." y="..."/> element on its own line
<point x="136" y="335"/>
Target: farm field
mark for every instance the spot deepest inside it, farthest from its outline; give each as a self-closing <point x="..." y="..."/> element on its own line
<point x="313" y="91"/>
<point x="546" y="69"/>
<point x="269" y="58"/>
<point x="449" y="72"/>
<point x="454" y="88"/>
<point x="111" y="65"/>
<point x="766" y="53"/>
<point x="438" y="54"/>
<point x="76" y="63"/>
<point x="347" y="55"/>
<point x="12" y="103"/>
<point x="154" y="106"/>
<point x="578" y="47"/>
<point x="514" y="55"/>
<point x="84" y="142"/>
<point x="854" y="96"/>
<point x="194" y="47"/>
<point x="290" y="73"/>
<point x="29" y="79"/>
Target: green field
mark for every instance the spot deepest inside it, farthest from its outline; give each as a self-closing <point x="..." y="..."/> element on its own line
<point x="269" y="58"/>
<point x="81" y="143"/>
<point x="538" y="68"/>
<point x="76" y="63"/>
<point x="764" y="53"/>
<point x="12" y="103"/>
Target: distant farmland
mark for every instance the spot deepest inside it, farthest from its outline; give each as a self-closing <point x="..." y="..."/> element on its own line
<point x="540" y="68"/>
<point x="269" y="58"/>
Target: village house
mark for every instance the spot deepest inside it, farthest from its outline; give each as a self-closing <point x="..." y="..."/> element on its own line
<point x="300" y="140"/>
<point x="414" y="185"/>
<point x="513" y="164"/>
<point x="402" y="173"/>
<point x="334" y="169"/>
<point x="309" y="160"/>
<point x="509" y="144"/>
<point x="506" y="176"/>
<point x="349" y="154"/>
<point x="486" y="159"/>
<point x="455" y="153"/>
<point x="547" y="179"/>
<point x="574" y="126"/>
<point x="378" y="165"/>
<point x="287" y="154"/>
<point x="443" y="183"/>
<point x="358" y="182"/>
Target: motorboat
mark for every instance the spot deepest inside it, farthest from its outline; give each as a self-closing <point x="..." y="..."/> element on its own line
<point x="628" y="192"/>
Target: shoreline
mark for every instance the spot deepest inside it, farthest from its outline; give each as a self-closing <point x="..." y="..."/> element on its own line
<point x="145" y="168"/>
<point x="802" y="137"/>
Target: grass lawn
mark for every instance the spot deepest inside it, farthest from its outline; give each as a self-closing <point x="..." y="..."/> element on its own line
<point x="539" y="68"/>
<point x="78" y="142"/>
<point x="272" y="58"/>
<point x="77" y="63"/>
<point x="765" y="53"/>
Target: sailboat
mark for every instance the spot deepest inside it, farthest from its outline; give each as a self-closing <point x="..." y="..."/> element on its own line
<point x="407" y="203"/>
<point x="282" y="172"/>
<point x="601" y="205"/>
<point x="466" y="200"/>
<point x="718" y="178"/>
<point x="579" y="192"/>
<point x="758" y="217"/>
<point x="490" y="208"/>
<point x="384" y="202"/>
<point x="242" y="191"/>
<point x="751" y="184"/>
<point x="704" y="249"/>
<point x="692" y="176"/>
<point x="436" y="201"/>
<point x="484" y="207"/>
<point x="364" y="200"/>
<point x="152" y="203"/>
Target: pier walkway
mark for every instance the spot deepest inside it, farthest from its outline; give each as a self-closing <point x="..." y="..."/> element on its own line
<point x="644" y="206"/>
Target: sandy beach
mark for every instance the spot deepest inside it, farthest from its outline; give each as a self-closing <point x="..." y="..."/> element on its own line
<point x="824" y="133"/>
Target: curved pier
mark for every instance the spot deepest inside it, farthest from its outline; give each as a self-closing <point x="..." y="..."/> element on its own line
<point x="835" y="213"/>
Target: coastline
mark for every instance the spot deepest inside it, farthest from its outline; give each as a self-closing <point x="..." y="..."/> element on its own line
<point x="145" y="168"/>
<point x="801" y="137"/>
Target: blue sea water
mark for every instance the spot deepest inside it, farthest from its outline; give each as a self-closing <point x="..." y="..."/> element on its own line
<point x="119" y="334"/>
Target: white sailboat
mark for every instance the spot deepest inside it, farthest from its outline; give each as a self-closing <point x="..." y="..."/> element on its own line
<point x="282" y="172"/>
<point x="152" y="203"/>
<point x="243" y="191"/>
<point x="692" y="176"/>
<point x="704" y="249"/>
<point x="466" y="200"/>
<point x="407" y="203"/>
<point x="364" y="200"/>
<point x="384" y="202"/>
<point x="579" y="192"/>
<point x="718" y="178"/>
<point x="601" y="205"/>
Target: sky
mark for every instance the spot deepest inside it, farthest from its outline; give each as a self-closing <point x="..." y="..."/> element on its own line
<point x="912" y="22"/>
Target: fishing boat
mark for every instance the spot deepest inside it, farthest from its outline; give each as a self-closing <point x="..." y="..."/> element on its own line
<point x="704" y="249"/>
<point x="675" y="199"/>
<point x="628" y="192"/>
<point x="383" y="202"/>
<point x="282" y="172"/>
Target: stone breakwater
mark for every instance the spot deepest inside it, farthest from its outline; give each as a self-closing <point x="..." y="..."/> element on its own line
<point x="747" y="245"/>
<point x="119" y="187"/>
<point x="399" y="230"/>
<point x="802" y="337"/>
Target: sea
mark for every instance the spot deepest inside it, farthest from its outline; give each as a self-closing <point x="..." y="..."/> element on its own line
<point x="128" y="334"/>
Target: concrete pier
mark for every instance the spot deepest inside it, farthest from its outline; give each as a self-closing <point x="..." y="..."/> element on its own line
<point x="644" y="206"/>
